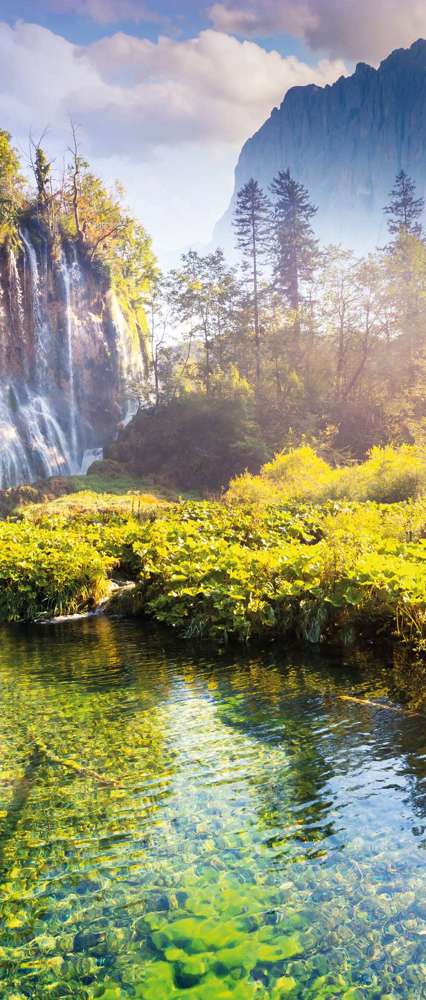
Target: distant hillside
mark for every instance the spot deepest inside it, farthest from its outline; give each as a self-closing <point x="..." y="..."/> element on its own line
<point x="345" y="142"/>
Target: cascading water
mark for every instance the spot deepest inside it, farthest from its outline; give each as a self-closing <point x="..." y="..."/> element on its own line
<point x="69" y="280"/>
<point x="41" y="326"/>
<point x="65" y="357"/>
<point x="130" y="361"/>
<point x="16" y="311"/>
<point x="32" y="442"/>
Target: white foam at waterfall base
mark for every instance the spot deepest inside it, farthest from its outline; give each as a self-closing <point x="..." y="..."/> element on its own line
<point x="90" y="455"/>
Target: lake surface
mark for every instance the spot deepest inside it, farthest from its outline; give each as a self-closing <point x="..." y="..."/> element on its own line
<point x="210" y="826"/>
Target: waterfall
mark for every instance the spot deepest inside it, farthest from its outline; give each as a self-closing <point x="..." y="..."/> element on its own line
<point x="130" y="360"/>
<point x="66" y="360"/>
<point x="32" y="442"/>
<point x="14" y="463"/>
<point x="90" y="455"/>
<point x="16" y="312"/>
<point x="15" y="294"/>
<point x="41" y="326"/>
<point x="68" y="277"/>
<point x="45" y="437"/>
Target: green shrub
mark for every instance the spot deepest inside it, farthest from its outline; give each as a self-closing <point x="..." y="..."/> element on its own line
<point x="388" y="475"/>
<point x="195" y="442"/>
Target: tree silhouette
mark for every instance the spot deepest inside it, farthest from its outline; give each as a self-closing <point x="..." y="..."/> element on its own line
<point x="252" y="223"/>
<point x="404" y="210"/>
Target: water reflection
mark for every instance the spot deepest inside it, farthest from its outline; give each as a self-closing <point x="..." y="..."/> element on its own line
<point x="206" y="826"/>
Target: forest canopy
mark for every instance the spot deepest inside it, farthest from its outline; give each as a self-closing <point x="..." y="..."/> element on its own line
<point x="291" y="343"/>
<point x="330" y="346"/>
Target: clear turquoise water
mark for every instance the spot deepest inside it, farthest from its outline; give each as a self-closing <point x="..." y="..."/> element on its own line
<point x="206" y="826"/>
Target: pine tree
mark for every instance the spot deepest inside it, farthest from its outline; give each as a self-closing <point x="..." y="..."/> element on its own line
<point x="404" y="210"/>
<point x="252" y="223"/>
<point x="296" y="245"/>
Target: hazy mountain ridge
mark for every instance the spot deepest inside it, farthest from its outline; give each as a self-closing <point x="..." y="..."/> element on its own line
<point x="345" y="142"/>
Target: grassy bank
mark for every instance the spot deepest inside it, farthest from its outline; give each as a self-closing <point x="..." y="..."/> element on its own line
<point x="224" y="570"/>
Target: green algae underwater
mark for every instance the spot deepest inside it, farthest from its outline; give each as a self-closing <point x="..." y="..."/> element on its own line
<point x="206" y="826"/>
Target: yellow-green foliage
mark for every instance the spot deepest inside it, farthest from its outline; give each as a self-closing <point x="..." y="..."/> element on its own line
<point x="45" y="572"/>
<point x="11" y="190"/>
<point x="58" y="558"/>
<point x="92" y="507"/>
<point x="220" y="570"/>
<point x="388" y="475"/>
<point x="296" y="469"/>
<point x="355" y="567"/>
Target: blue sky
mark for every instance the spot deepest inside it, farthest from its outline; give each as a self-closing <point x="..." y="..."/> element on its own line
<point x="182" y="20"/>
<point x="165" y="92"/>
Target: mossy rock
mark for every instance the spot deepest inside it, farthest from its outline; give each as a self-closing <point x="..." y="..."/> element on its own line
<point x="108" y="468"/>
<point x="126" y="602"/>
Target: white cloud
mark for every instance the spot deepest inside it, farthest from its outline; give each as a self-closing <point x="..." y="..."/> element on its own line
<point x="132" y="94"/>
<point x="167" y="117"/>
<point x="358" y="29"/>
<point x="209" y="88"/>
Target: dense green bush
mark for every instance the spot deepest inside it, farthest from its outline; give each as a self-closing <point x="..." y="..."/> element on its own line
<point x="195" y="442"/>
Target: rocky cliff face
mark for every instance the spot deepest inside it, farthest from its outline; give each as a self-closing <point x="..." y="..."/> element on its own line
<point x="66" y="359"/>
<point x="346" y="142"/>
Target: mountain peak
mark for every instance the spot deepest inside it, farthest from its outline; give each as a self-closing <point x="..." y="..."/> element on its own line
<point x="415" y="54"/>
<point x="364" y="68"/>
<point x="346" y="142"/>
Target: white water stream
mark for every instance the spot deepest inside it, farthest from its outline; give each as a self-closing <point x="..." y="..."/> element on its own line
<point x="54" y="353"/>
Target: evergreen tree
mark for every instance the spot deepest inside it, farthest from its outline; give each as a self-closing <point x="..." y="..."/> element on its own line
<point x="404" y="210"/>
<point x="296" y="245"/>
<point x="252" y="223"/>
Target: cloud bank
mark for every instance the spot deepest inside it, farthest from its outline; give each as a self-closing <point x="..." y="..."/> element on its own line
<point x="212" y="88"/>
<point x="131" y="94"/>
<point x="356" y="29"/>
<point x="166" y="117"/>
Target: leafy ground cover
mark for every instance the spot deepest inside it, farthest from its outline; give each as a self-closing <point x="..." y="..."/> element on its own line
<point x="224" y="570"/>
<point x="312" y="572"/>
